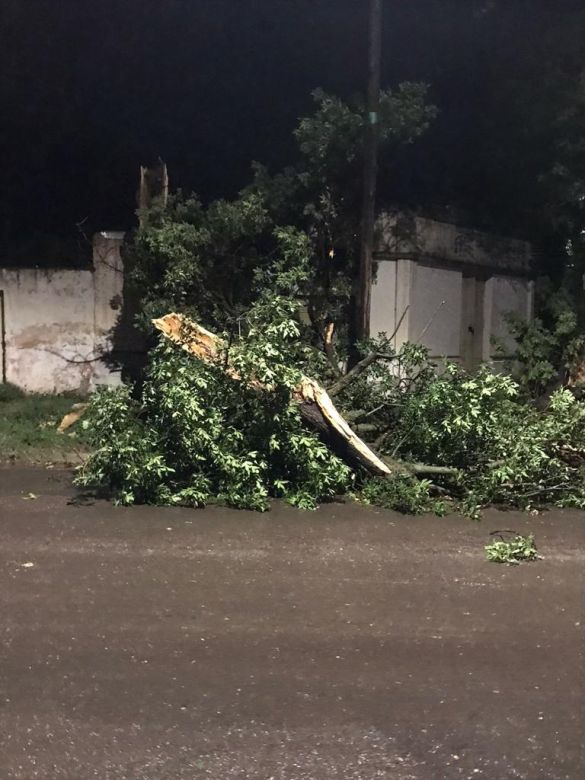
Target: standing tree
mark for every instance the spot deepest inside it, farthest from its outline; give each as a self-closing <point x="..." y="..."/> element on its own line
<point x="211" y="262"/>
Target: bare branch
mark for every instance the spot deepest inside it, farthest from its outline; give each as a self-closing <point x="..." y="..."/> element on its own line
<point x="357" y="371"/>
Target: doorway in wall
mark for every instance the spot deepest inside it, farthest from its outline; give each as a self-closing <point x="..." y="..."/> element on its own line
<point x="472" y="320"/>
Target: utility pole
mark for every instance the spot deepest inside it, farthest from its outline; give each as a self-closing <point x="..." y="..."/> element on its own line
<point x="363" y="293"/>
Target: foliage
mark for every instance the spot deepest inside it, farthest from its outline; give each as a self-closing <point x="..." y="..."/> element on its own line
<point x="200" y="261"/>
<point x="564" y="181"/>
<point x="212" y="262"/>
<point x="455" y="419"/>
<point x="330" y="140"/>
<point x="196" y="435"/>
<point x="404" y="494"/>
<point x="549" y="347"/>
<point x="325" y="188"/>
<point x="273" y="271"/>
<point x="124" y="456"/>
<point x="512" y="551"/>
<point x="377" y="396"/>
<point x="542" y="457"/>
<point x="492" y="447"/>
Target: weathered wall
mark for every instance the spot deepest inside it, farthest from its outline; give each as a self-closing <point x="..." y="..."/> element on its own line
<point x="384" y="308"/>
<point x="406" y="235"/>
<point x="418" y="303"/>
<point x="449" y="288"/>
<point x="57" y="322"/>
<point x="506" y="295"/>
<point x="435" y="316"/>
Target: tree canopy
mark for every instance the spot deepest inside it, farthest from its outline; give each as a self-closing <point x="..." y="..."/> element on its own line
<point x="297" y="228"/>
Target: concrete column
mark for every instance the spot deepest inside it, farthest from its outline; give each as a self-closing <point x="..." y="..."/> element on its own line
<point x="530" y="300"/>
<point x="108" y="297"/>
<point x="469" y="332"/>
<point x="488" y="311"/>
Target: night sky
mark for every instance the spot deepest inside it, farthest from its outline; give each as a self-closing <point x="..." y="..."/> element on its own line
<point x="90" y="89"/>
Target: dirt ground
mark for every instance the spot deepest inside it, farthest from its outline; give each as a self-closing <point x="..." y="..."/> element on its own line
<point x="156" y="643"/>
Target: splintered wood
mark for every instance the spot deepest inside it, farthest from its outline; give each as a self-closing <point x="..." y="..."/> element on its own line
<point x="316" y="407"/>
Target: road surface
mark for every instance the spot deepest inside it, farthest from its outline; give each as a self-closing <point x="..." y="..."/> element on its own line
<point x="150" y="643"/>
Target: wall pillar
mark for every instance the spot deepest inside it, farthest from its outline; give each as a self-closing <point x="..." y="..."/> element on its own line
<point x="488" y="316"/>
<point x="530" y="300"/>
<point x="108" y="296"/>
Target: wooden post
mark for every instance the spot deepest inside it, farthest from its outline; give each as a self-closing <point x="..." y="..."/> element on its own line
<point x="363" y="296"/>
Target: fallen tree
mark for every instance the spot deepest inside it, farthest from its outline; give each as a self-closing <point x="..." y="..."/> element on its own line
<point x="315" y="405"/>
<point x="314" y="401"/>
<point x="239" y="420"/>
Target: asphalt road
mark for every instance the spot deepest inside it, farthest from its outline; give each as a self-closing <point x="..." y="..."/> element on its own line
<point x="156" y="643"/>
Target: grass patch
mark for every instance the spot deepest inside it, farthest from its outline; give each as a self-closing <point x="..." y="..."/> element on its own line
<point x="28" y="428"/>
<point x="10" y="392"/>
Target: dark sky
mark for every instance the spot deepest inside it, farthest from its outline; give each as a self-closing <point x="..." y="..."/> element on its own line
<point x="89" y="89"/>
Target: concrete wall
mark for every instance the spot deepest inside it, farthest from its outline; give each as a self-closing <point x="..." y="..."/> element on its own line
<point x="449" y="288"/>
<point x="407" y="235"/>
<point x="57" y="323"/>
<point x="418" y="303"/>
<point x="385" y="311"/>
<point x="507" y="295"/>
<point x="454" y="314"/>
<point x="435" y="314"/>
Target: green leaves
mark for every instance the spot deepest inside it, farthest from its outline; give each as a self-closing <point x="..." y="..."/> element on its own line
<point x="126" y="460"/>
<point x="551" y="345"/>
<point x="197" y="435"/>
<point x="293" y="234"/>
<point x="507" y="452"/>
<point x="332" y="137"/>
<point x="404" y="113"/>
<point x="404" y="494"/>
<point x="456" y="420"/>
<point x="512" y="551"/>
<point x="201" y="261"/>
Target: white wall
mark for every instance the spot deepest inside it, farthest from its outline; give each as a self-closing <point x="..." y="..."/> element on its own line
<point x="420" y="303"/>
<point x="454" y="316"/>
<point x="435" y="310"/>
<point x="455" y="284"/>
<point x="383" y="303"/>
<point x="57" y="322"/>
<point x="506" y="295"/>
<point x="108" y="282"/>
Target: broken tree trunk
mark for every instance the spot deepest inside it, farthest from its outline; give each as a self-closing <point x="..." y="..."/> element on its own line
<point x="315" y="405"/>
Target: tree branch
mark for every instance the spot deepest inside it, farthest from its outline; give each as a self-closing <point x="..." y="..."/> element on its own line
<point x="356" y="371"/>
<point x="418" y="469"/>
